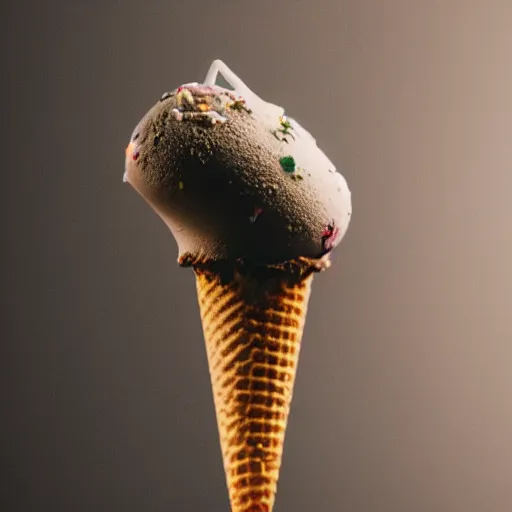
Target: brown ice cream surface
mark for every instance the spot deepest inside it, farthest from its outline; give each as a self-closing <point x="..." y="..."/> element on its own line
<point x="232" y="187"/>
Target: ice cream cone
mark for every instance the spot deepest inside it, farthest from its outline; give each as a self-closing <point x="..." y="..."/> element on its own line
<point x="252" y="324"/>
<point x="256" y="208"/>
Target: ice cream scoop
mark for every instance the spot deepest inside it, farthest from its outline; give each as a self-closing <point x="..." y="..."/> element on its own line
<point x="256" y="209"/>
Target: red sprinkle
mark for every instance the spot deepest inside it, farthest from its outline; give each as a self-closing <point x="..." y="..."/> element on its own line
<point x="329" y="236"/>
<point x="327" y="232"/>
<point x="135" y="155"/>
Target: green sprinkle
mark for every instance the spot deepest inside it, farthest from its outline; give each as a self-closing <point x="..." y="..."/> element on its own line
<point x="180" y="185"/>
<point x="286" y="125"/>
<point x="287" y="163"/>
<point x="240" y="106"/>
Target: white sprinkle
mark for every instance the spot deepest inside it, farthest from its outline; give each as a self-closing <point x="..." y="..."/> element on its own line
<point x="177" y="114"/>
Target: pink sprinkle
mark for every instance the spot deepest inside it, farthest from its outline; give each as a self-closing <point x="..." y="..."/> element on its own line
<point x="257" y="212"/>
<point x="329" y="236"/>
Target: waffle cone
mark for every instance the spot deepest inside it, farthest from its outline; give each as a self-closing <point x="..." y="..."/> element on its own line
<point x="252" y="327"/>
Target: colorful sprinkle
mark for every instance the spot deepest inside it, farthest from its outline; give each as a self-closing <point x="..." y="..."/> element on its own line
<point x="129" y="149"/>
<point x="180" y="185"/>
<point x="284" y="130"/>
<point x="176" y="114"/>
<point x="285" y="124"/>
<point x="257" y="213"/>
<point x="135" y="155"/>
<point x="329" y="236"/>
<point x="287" y="163"/>
<point x="184" y="97"/>
<point x="240" y="105"/>
<point x="297" y="176"/>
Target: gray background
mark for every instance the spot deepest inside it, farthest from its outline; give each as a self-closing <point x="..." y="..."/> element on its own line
<point x="403" y="399"/>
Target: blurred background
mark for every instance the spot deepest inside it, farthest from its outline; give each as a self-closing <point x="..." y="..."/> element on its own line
<point x="403" y="398"/>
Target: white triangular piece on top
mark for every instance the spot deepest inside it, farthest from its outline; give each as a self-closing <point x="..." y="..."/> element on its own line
<point x="219" y="72"/>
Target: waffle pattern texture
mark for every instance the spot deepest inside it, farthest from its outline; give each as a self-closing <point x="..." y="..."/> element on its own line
<point x="252" y="326"/>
